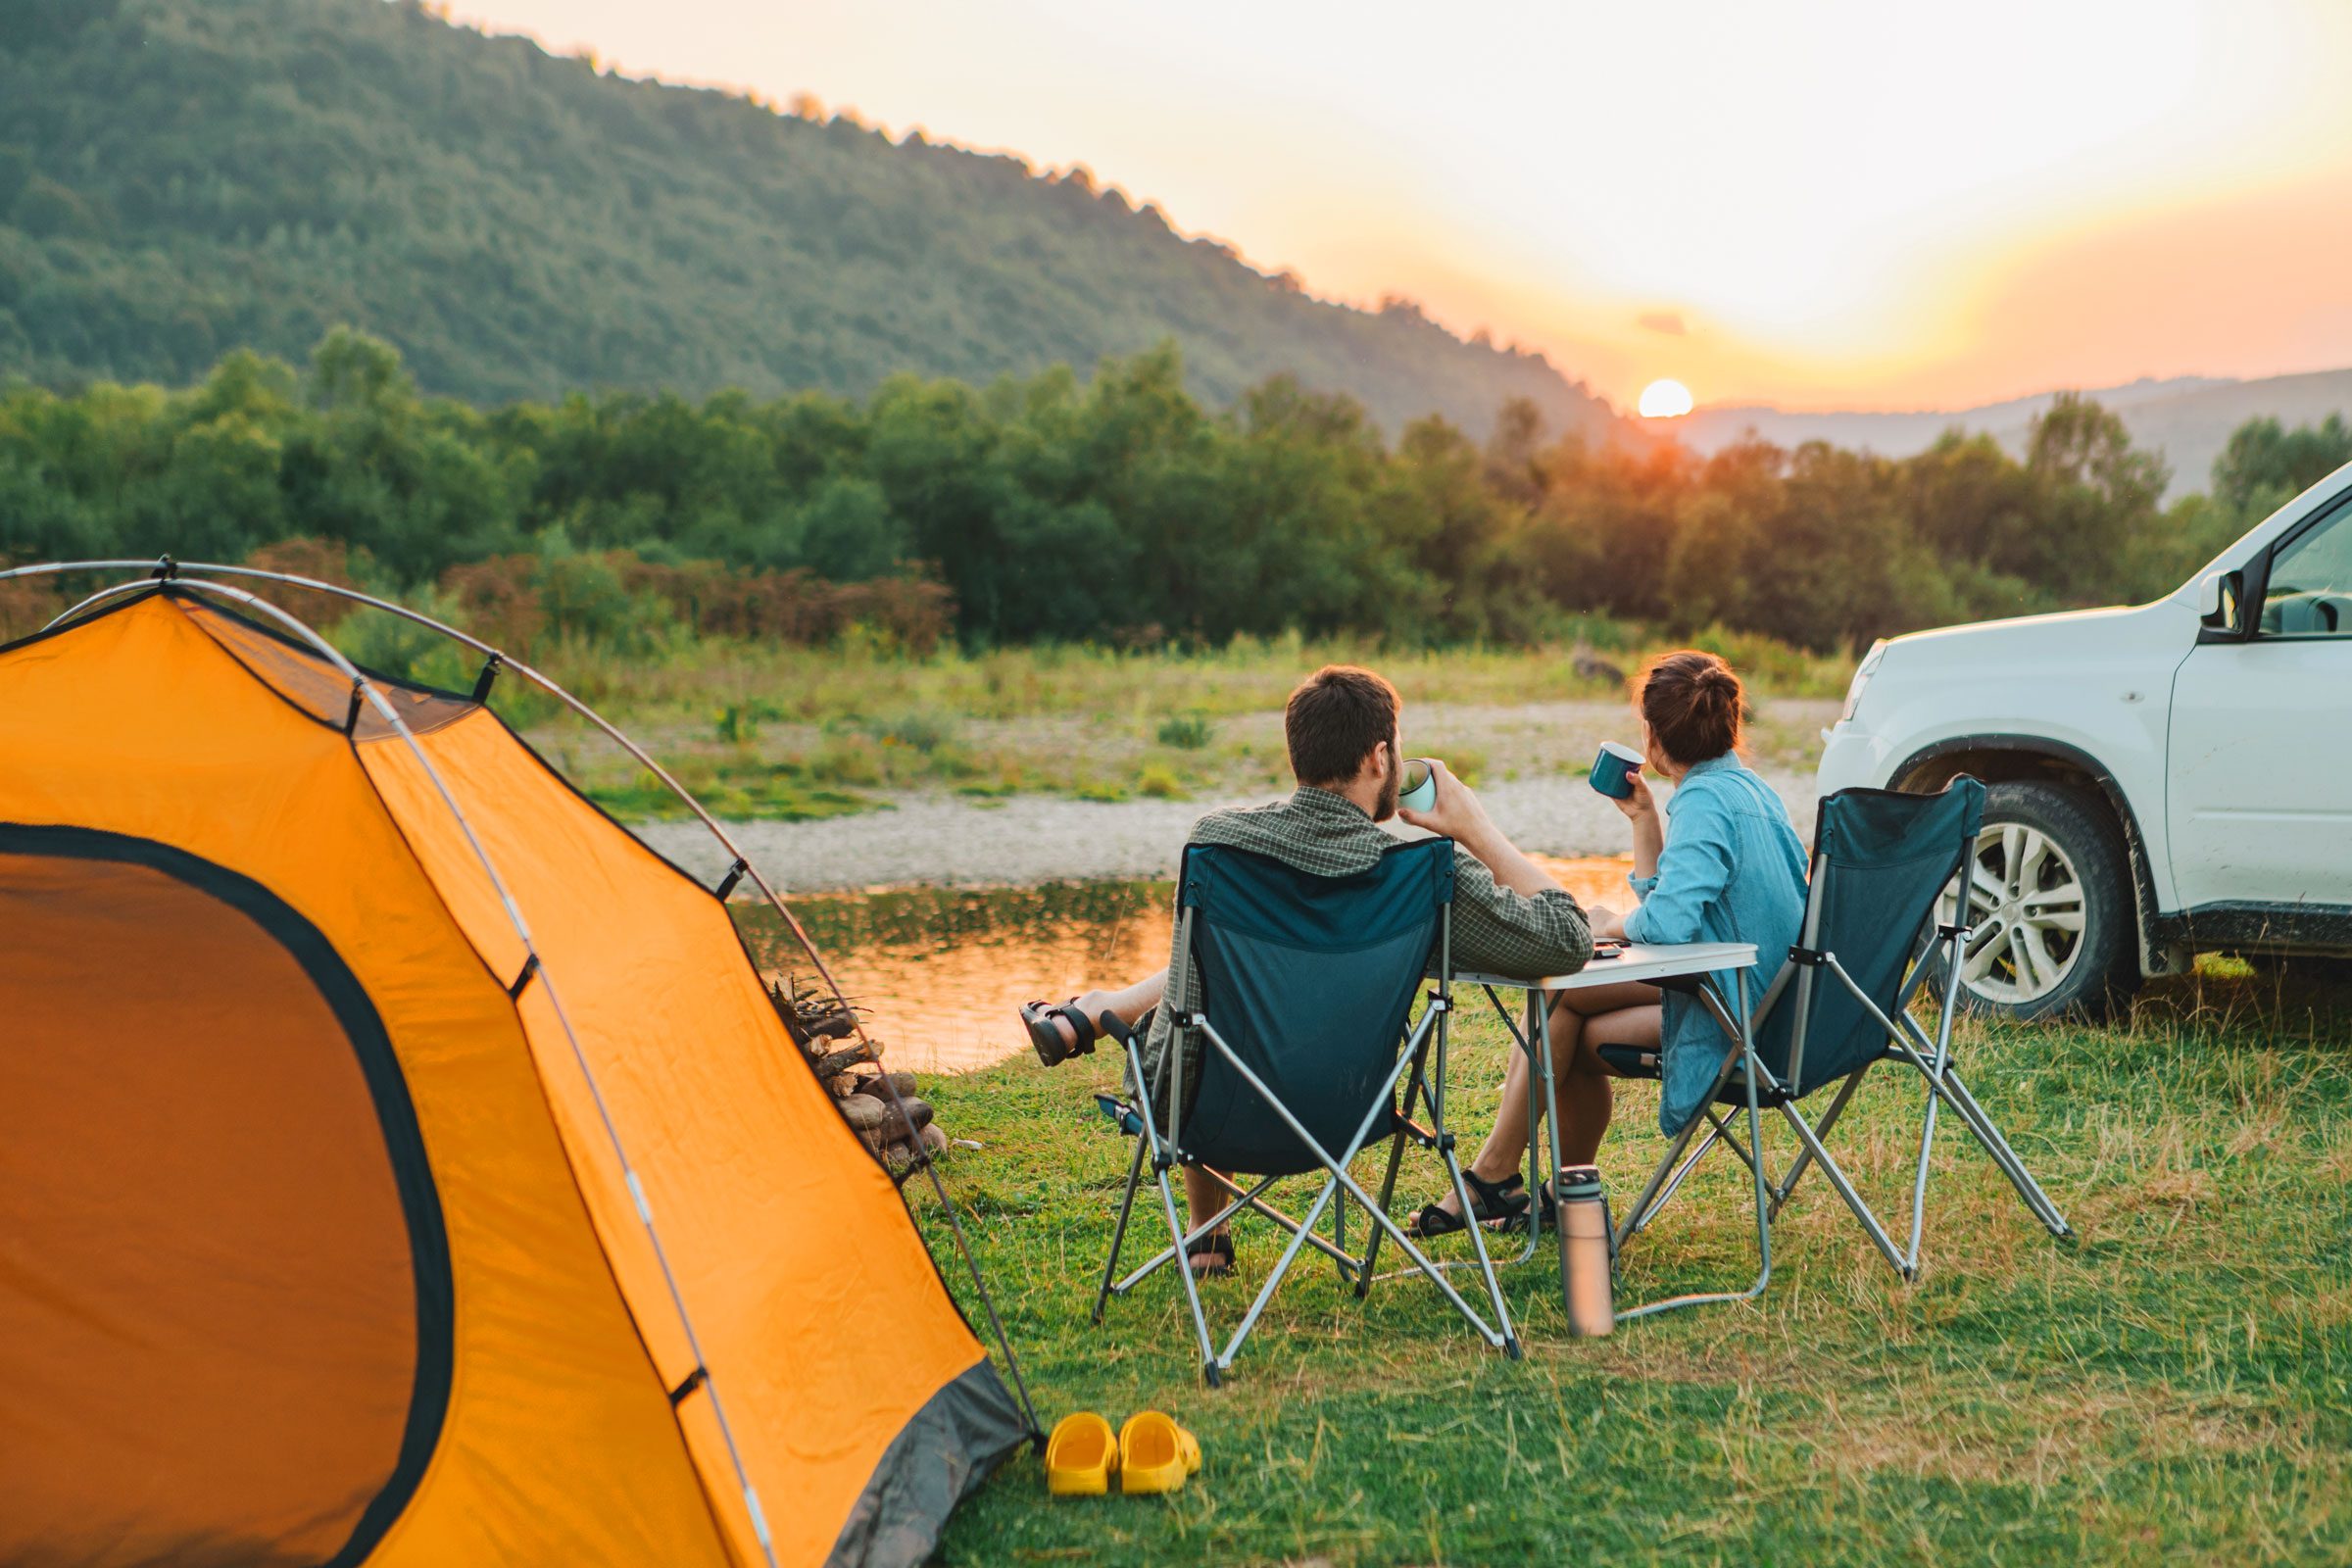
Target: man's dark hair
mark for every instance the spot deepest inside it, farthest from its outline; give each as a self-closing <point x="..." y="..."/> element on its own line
<point x="1334" y="719"/>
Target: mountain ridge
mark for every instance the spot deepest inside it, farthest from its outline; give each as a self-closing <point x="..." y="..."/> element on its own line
<point x="177" y="178"/>
<point x="2188" y="418"/>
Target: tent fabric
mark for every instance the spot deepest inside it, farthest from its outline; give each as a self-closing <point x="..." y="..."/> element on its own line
<point x="434" y="1335"/>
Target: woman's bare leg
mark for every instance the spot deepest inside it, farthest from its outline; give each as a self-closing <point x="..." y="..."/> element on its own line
<point x="1576" y="1103"/>
<point x="1585" y="1098"/>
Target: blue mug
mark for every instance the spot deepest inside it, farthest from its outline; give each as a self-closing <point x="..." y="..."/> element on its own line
<point x="1613" y="771"/>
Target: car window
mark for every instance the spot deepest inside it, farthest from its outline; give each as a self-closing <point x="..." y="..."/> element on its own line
<point x="2310" y="591"/>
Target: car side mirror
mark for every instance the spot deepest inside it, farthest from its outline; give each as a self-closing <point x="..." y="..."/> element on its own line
<point x="2218" y="598"/>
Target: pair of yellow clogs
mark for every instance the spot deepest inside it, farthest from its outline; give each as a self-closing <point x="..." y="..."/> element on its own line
<point x="1151" y="1453"/>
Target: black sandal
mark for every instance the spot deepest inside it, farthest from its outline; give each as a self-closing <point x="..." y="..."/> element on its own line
<point x="1504" y="1200"/>
<point x="1038" y="1018"/>
<point x="1217" y="1248"/>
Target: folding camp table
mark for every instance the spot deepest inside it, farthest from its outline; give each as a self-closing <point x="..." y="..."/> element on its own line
<point x="1681" y="968"/>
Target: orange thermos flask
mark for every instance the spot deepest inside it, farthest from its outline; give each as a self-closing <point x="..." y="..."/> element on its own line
<point x="1585" y="1253"/>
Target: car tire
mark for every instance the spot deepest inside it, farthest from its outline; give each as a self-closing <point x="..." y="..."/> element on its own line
<point x="2056" y="934"/>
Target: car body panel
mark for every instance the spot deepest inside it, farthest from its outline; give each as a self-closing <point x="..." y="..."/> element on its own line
<point x="2098" y="687"/>
<point x="2096" y="681"/>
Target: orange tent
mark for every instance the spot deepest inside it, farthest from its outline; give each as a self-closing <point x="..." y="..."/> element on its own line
<point x="401" y="1164"/>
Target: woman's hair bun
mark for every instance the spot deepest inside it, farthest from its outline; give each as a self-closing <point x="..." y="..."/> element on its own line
<point x="1694" y="704"/>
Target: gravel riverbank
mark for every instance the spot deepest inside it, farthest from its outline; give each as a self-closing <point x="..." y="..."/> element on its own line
<point x="950" y="840"/>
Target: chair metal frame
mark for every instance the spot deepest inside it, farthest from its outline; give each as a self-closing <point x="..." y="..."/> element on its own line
<point x="1422" y="1053"/>
<point x="1907" y="1042"/>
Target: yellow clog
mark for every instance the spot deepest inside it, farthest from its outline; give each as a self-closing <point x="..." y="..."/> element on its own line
<point x="1156" y="1454"/>
<point x="1080" y="1456"/>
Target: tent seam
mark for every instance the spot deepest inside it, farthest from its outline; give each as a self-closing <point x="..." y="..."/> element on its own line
<point x="563" y="1145"/>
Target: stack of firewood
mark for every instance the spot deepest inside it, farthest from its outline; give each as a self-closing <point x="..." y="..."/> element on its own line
<point x="896" y="1126"/>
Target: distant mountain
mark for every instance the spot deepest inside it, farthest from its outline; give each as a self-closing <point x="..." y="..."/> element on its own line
<point x="2188" y="418"/>
<point x="178" y="177"/>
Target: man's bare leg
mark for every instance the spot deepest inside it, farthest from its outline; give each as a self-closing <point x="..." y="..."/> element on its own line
<point x="1202" y="1196"/>
<point x="1130" y="1004"/>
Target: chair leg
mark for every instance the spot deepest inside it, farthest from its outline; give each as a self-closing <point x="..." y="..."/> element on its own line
<point x="1478" y="1245"/>
<point x="1956" y="1094"/>
<point x="1845" y="1190"/>
<point x="2003" y="1156"/>
<point x="1191" y="1287"/>
<point x="1387" y="1195"/>
<point x="1240" y="1200"/>
<point x="1918" y="1180"/>
<point x="1820" y="1129"/>
<point x="1118" y="1235"/>
<point x="1647" y="1202"/>
<point x="1265" y="1294"/>
<point x="1682" y="1173"/>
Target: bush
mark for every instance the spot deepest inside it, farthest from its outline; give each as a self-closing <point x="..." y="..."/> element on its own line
<point x="1187" y="732"/>
<point x="1159" y="784"/>
<point x="924" y="732"/>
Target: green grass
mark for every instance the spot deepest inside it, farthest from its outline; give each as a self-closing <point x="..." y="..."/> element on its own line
<point x="2176" y="1384"/>
<point x="791" y="733"/>
<point x="772" y="795"/>
<point x="698" y="680"/>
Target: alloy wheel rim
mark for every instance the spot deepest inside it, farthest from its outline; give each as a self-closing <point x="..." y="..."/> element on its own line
<point x="2026" y="908"/>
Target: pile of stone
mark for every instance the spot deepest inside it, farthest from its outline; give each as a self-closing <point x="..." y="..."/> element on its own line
<point x="896" y="1126"/>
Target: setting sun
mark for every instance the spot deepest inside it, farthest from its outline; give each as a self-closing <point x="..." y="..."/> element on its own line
<point x="1665" y="400"/>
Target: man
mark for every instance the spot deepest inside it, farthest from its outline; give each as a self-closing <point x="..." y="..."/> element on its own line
<point x="1342" y="727"/>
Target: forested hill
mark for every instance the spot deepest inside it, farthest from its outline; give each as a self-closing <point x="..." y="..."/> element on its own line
<point x="179" y="177"/>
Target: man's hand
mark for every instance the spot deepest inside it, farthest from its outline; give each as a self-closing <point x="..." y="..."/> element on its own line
<point x="1456" y="811"/>
<point x="1458" y="816"/>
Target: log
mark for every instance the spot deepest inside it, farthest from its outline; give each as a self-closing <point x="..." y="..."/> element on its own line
<point x="935" y="1138"/>
<point x="838" y="1061"/>
<point x="903" y="1082"/>
<point x="830" y="1025"/>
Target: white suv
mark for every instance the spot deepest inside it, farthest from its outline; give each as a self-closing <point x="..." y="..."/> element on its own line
<point x="2161" y="779"/>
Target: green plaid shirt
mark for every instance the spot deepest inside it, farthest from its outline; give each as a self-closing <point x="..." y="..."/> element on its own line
<point x="1325" y="834"/>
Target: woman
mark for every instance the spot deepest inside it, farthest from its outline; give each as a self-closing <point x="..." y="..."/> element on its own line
<point x="1724" y="865"/>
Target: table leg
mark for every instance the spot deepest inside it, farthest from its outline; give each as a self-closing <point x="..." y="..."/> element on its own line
<point x="1540" y="1118"/>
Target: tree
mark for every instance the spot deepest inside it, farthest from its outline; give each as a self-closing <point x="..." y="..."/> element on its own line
<point x="2095" y="495"/>
<point x="2264" y="465"/>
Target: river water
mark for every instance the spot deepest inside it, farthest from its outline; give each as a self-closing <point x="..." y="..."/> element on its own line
<point x="940" y="972"/>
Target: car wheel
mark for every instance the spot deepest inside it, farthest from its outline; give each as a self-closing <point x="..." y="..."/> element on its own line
<point x="2049" y="909"/>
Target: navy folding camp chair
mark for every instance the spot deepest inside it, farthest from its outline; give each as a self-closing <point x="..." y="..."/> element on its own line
<point x="1306" y="985"/>
<point x="1869" y="944"/>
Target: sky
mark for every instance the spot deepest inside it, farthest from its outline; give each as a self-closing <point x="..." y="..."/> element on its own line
<point x="1825" y="205"/>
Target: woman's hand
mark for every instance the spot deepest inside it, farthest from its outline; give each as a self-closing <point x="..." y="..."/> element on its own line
<point x="1641" y="809"/>
<point x="1640" y="803"/>
<point x="1604" y="921"/>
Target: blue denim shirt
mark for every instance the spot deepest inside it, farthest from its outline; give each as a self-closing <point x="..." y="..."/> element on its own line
<point x="1732" y="871"/>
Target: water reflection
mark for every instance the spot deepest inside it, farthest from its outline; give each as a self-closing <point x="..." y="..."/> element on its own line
<point x="940" y="972"/>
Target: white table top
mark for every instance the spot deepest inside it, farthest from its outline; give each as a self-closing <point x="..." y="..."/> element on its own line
<point x="1639" y="960"/>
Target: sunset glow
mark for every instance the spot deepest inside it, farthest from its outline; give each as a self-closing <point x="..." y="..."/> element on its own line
<point x="1840" y="204"/>
<point x="1665" y="400"/>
